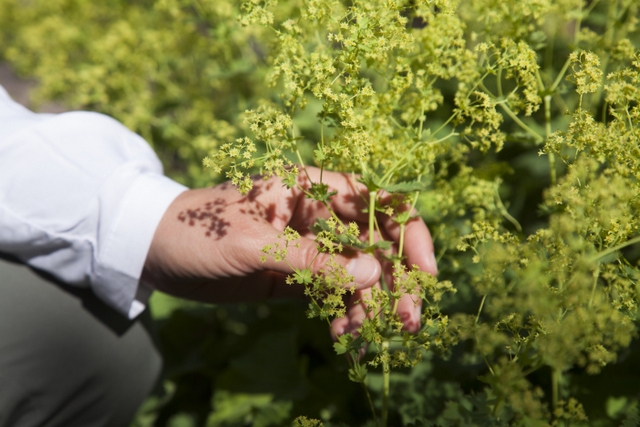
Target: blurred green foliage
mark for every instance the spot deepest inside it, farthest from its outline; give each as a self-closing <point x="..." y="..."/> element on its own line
<point x="532" y="196"/>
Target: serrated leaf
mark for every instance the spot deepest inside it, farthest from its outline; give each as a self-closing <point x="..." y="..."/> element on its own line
<point x="339" y="347"/>
<point x="347" y="240"/>
<point x="382" y="244"/>
<point x="358" y="373"/>
<point x="319" y="155"/>
<point x="303" y="277"/>
<point x="320" y="192"/>
<point x="370" y="180"/>
<point x="405" y="187"/>
<point x="289" y="180"/>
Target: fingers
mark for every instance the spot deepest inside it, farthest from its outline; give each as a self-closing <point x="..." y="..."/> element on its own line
<point x="351" y="203"/>
<point x="409" y="311"/>
<point x="364" y="268"/>
<point x="418" y="249"/>
<point x="418" y="244"/>
<point x="355" y="315"/>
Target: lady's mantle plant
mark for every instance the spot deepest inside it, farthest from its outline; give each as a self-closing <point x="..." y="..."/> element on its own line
<point x="409" y="95"/>
<point x="511" y="126"/>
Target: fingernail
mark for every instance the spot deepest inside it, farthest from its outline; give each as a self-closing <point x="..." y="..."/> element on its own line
<point x="364" y="269"/>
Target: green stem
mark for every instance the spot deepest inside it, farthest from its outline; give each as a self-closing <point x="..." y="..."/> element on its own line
<point x="401" y="240"/>
<point x="484" y="298"/>
<point x="613" y="249"/>
<point x="609" y="33"/>
<point x="293" y="135"/>
<point x="556" y="379"/>
<point x="519" y="122"/>
<point x="560" y="76"/>
<point x="475" y="335"/>
<point x="499" y="400"/>
<point x="596" y="275"/>
<point x="386" y="374"/>
<point x="505" y="212"/>
<point x="372" y="217"/>
<point x="402" y="161"/>
<point x="373" y="408"/>
<point x="453" y="116"/>
<point x="547" y="120"/>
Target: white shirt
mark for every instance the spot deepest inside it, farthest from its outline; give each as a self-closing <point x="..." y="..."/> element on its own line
<point x="80" y="198"/>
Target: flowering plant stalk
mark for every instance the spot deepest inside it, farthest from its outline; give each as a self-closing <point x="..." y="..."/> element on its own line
<point x="375" y="71"/>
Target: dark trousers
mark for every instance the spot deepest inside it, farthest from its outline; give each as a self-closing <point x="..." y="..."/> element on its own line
<point x="66" y="359"/>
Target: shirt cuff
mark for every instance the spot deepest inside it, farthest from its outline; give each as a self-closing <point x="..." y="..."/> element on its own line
<point x="122" y="256"/>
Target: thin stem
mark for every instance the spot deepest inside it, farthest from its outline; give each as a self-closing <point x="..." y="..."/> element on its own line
<point x="539" y="79"/>
<point x="302" y="164"/>
<point x="497" y="405"/>
<point x="480" y="309"/>
<point x="350" y="362"/>
<point x="576" y="32"/>
<point x="505" y="212"/>
<point x="556" y="379"/>
<point x="373" y="408"/>
<point x="486" y="361"/>
<point x="560" y="75"/>
<point x="613" y="249"/>
<point x="386" y="374"/>
<point x="402" y="161"/>
<point x="453" y="116"/>
<point x="372" y="217"/>
<point x="596" y="275"/>
<point x="401" y="240"/>
<point x="555" y="385"/>
<point x="293" y="135"/>
<point x="519" y="122"/>
<point x="547" y="120"/>
<point x="421" y="119"/>
<point x="394" y="310"/>
<point x="610" y="26"/>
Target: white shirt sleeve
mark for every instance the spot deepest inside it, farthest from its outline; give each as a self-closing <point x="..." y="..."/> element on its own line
<point x="80" y="198"/>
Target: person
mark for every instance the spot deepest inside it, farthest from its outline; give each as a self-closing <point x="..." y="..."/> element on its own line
<point x="90" y="226"/>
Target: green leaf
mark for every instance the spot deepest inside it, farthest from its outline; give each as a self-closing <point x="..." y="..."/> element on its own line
<point x="289" y="180"/>
<point x="303" y="277"/>
<point x="405" y="187"/>
<point x="339" y="347"/>
<point x="348" y="240"/>
<point x="321" y="193"/>
<point x="403" y="217"/>
<point x="358" y="373"/>
<point x="381" y="244"/>
<point x="371" y="181"/>
<point x="319" y="155"/>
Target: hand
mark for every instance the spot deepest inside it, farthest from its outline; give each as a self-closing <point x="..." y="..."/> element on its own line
<point x="208" y="244"/>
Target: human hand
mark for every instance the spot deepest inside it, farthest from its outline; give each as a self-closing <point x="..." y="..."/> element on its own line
<point x="208" y="244"/>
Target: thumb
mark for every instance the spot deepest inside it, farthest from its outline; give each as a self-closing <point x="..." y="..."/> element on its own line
<point x="364" y="268"/>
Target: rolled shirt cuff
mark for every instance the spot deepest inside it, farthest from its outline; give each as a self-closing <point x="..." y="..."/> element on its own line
<point x="123" y="252"/>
